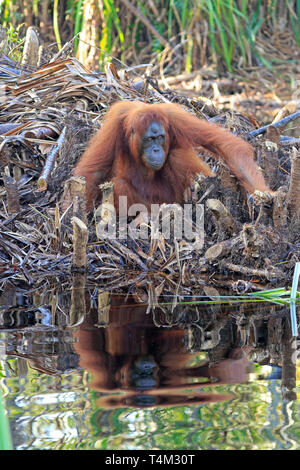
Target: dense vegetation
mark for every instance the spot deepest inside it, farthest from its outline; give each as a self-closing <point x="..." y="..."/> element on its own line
<point x="183" y="34"/>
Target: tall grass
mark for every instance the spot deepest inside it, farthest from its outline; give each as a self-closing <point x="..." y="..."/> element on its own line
<point x="232" y="27"/>
<point x="55" y="24"/>
<point x="78" y="19"/>
<point x="112" y="19"/>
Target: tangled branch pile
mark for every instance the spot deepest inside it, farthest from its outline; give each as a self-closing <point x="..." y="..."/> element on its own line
<point x="47" y="115"/>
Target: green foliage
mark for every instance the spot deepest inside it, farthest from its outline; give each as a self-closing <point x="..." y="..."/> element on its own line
<point x="77" y="16"/>
<point x="13" y="34"/>
<point x="233" y="27"/>
<point x="111" y="21"/>
<point x="14" y="41"/>
<point x="55" y="24"/>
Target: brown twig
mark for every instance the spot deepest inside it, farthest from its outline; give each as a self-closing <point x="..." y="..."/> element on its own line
<point x="266" y="273"/>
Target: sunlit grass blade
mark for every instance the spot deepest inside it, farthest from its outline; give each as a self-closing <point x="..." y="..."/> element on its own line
<point x="273" y="293"/>
<point x="212" y="32"/>
<point x="184" y="14"/>
<point x="280" y="296"/>
<point x="55" y="24"/>
<point x="189" y="56"/>
<point x="294" y="298"/>
<point x="78" y="22"/>
<point x="111" y="8"/>
<point x="170" y="19"/>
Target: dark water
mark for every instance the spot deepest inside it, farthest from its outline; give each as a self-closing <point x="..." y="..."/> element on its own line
<point x="98" y="371"/>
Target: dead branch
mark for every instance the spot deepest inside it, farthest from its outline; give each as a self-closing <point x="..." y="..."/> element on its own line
<point x="221" y="249"/>
<point x="103" y="308"/>
<point x="269" y="162"/>
<point x="74" y="194"/>
<point x="279" y="124"/>
<point x="42" y="181"/>
<point x="127" y="253"/>
<point x="8" y="127"/>
<point x="107" y="190"/>
<point x="280" y="212"/>
<point x="266" y="273"/>
<point x="4" y="154"/>
<point x="224" y="220"/>
<point x="288" y="109"/>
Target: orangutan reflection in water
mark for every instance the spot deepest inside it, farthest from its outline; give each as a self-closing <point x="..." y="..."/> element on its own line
<point x="151" y="364"/>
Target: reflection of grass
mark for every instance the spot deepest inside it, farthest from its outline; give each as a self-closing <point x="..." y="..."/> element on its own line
<point x="5" y="437"/>
<point x="294" y="299"/>
<point x="280" y="296"/>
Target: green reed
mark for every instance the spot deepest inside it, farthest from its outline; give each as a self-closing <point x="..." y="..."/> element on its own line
<point x="233" y="28"/>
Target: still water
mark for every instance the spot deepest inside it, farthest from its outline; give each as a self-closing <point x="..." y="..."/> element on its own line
<point x="95" y="370"/>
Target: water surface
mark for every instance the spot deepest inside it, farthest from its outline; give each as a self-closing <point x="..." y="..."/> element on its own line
<point x="93" y="370"/>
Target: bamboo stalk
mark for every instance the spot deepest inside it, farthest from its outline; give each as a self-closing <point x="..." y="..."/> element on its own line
<point x="78" y="304"/>
<point x="280" y="211"/>
<point x="74" y="193"/>
<point x="103" y="308"/>
<point x="80" y="233"/>
<point x="270" y="161"/>
<point x="222" y="216"/>
<point x="294" y="189"/>
<point x="12" y="195"/>
<point x="31" y="48"/>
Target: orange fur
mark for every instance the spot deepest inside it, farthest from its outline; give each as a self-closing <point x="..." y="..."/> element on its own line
<point x="113" y="154"/>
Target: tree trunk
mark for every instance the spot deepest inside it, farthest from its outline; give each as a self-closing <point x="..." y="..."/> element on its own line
<point x="88" y="48"/>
